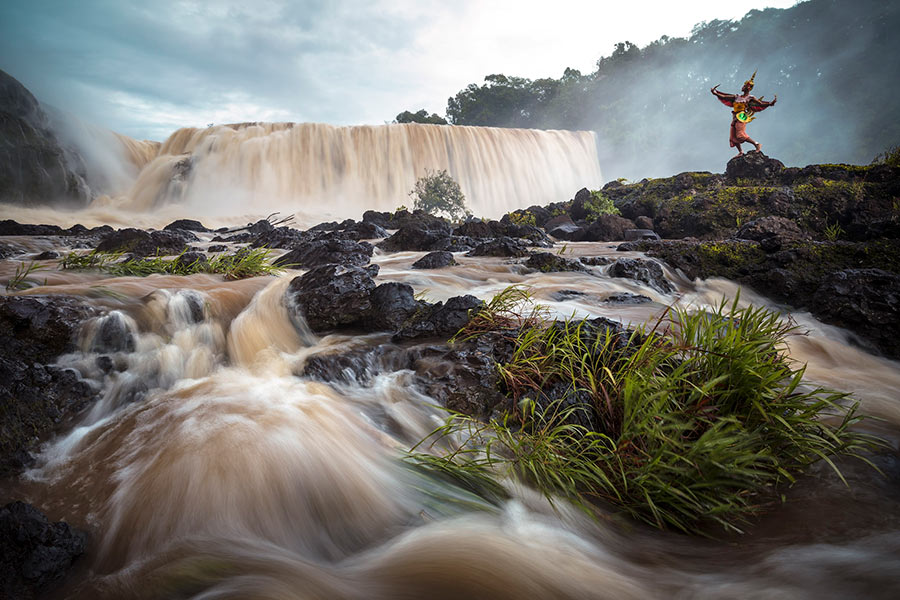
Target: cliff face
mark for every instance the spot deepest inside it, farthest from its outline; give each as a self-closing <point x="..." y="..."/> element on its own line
<point x="35" y="168"/>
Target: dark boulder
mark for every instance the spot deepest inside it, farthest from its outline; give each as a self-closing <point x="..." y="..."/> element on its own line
<point x="595" y="261"/>
<point x="10" y="227"/>
<point x="34" y="396"/>
<point x="186" y="225"/>
<point x="578" y="211"/>
<point x="626" y="298"/>
<point x="772" y="233"/>
<point x="435" y="260"/>
<point x="480" y="229"/>
<point x="607" y="228"/>
<point x="504" y="246"/>
<point x="643" y="222"/>
<point x="332" y="296"/>
<point x="464" y="377"/>
<point x="382" y="219"/>
<point x="647" y="272"/>
<point x="548" y="263"/>
<point x="142" y="243"/>
<point x="441" y="320"/>
<point x="47" y="255"/>
<point x="217" y="248"/>
<point x="640" y="234"/>
<point x="363" y="231"/>
<point x="564" y="295"/>
<point x="279" y="237"/>
<point x="865" y="301"/>
<point x="327" y="251"/>
<point x="261" y="226"/>
<point x="194" y="259"/>
<point x="392" y="305"/>
<point x="420" y="235"/>
<point x="35" y="554"/>
<point x="754" y="165"/>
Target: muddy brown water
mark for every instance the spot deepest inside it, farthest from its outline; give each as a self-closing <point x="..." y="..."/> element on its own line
<point x="208" y="470"/>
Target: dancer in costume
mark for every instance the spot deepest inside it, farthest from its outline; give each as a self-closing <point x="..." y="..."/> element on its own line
<point x="743" y="106"/>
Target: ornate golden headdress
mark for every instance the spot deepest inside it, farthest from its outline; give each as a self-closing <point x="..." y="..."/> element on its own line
<point x="749" y="83"/>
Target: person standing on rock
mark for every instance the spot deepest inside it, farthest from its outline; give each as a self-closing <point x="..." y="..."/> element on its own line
<point x="743" y="106"/>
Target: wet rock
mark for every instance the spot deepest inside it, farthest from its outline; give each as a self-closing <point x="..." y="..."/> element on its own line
<point x="279" y="237"/>
<point x="142" y="243"/>
<point x="464" y="377"/>
<point x="551" y="263"/>
<point x="607" y="228"/>
<point x="261" y="226"/>
<point x="358" y="366"/>
<point x="578" y="211"/>
<point x="186" y="225"/>
<point x="441" y="320"/>
<point x="189" y="258"/>
<point x="332" y="296"/>
<point x="643" y="222"/>
<point x="419" y="235"/>
<point x="866" y="301"/>
<point x="564" y="295"/>
<point x="7" y="250"/>
<point x="626" y="298"/>
<point x="563" y="228"/>
<point x="595" y="261"/>
<point x="35" y="554"/>
<point x="110" y="333"/>
<point x="754" y="165"/>
<point x="363" y="231"/>
<point x="644" y="271"/>
<point x="327" y="251"/>
<point x="34" y="396"/>
<point x="640" y="234"/>
<point x="392" y="305"/>
<point x="217" y="248"/>
<point x="10" y="227"/>
<point x="435" y="260"/>
<point x="47" y="255"/>
<point x="382" y="219"/>
<point x="772" y="233"/>
<point x="504" y="246"/>
<point x="480" y="229"/>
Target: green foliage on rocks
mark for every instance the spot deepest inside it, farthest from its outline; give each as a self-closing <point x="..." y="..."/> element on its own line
<point x="250" y="262"/>
<point x="437" y="193"/>
<point x="700" y="418"/>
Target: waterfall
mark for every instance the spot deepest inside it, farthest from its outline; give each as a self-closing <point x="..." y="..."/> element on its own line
<point x="322" y="171"/>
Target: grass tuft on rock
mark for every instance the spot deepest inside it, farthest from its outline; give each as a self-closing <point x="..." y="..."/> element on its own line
<point x="699" y="418"/>
<point x="250" y="262"/>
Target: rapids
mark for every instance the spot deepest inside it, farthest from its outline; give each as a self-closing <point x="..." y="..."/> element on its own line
<point x="209" y="470"/>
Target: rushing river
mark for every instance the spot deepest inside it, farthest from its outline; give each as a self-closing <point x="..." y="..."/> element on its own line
<point x="208" y="469"/>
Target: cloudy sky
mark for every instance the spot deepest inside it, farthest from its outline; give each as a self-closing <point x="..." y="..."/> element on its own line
<point x="147" y="68"/>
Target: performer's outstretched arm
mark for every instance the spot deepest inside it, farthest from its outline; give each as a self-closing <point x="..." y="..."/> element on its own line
<point x="726" y="99"/>
<point x="758" y="104"/>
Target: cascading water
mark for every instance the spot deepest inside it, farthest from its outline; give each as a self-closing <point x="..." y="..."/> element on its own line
<point x="225" y="475"/>
<point x="322" y="170"/>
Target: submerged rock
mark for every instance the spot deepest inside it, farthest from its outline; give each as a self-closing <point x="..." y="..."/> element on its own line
<point x="644" y="271"/>
<point x="505" y="246"/>
<point x="435" y="260"/>
<point x="34" y="553"/>
<point x="551" y="263"/>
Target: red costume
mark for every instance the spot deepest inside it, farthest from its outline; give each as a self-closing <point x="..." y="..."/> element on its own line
<point x="742" y="106"/>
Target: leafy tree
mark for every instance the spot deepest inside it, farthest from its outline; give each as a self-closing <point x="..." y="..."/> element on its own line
<point x="438" y="193"/>
<point x="421" y="116"/>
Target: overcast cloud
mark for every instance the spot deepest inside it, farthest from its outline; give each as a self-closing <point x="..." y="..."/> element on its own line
<point x="148" y="68"/>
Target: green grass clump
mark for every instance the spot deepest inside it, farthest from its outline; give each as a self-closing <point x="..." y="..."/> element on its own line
<point x="19" y="281"/>
<point x="699" y="419"/>
<point x="245" y="263"/>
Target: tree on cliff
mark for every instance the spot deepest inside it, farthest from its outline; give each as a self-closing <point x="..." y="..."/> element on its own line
<point x="421" y="116"/>
<point x="438" y="193"/>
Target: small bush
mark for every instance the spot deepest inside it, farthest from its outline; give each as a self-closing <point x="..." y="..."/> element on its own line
<point x="698" y="419"/>
<point x="890" y="157"/>
<point x="522" y="217"/>
<point x="438" y="193"/>
<point x="598" y="205"/>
